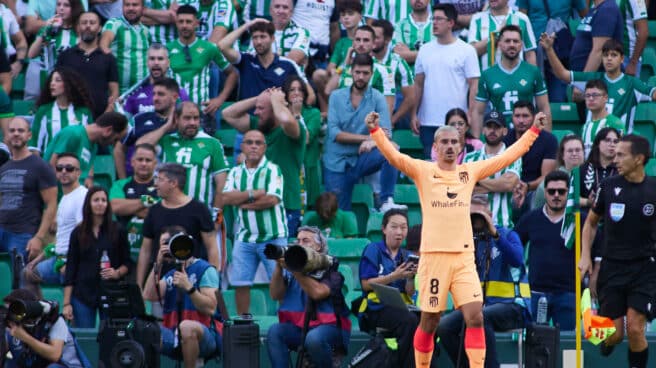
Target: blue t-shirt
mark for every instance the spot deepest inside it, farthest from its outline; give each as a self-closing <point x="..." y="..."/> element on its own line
<point x="376" y="261"/>
<point x="551" y="265"/>
<point x="604" y="20"/>
<point x="254" y="78"/>
<point x="545" y="147"/>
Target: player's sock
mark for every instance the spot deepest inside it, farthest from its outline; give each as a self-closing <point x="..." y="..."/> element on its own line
<point x="475" y="346"/>
<point x="424" y="344"/>
<point x="638" y="359"/>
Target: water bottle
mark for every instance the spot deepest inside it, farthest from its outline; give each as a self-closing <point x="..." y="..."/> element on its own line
<point x="543" y="305"/>
<point x="104" y="261"/>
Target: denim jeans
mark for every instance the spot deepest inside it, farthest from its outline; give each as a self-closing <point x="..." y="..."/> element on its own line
<point x="84" y="316"/>
<point x="427" y="137"/>
<point x="561" y="310"/>
<point x="497" y="317"/>
<point x="341" y="183"/>
<point x="46" y="270"/>
<point x="293" y="222"/>
<point x="245" y="259"/>
<point x="319" y="344"/>
<point x="10" y="240"/>
<point x="209" y="344"/>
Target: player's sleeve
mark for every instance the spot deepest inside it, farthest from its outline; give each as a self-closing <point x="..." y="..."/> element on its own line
<point x="485" y="168"/>
<point x="404" y="163"/>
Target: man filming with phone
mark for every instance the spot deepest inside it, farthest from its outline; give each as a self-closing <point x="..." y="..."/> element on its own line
<point x="499" y="258"/>
<point x="312" y="312"/>
<point x="191" y="330"/>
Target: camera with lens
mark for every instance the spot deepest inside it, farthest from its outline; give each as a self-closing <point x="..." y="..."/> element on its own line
<point x="479" y="226"/>
<point x="29" y="312"/>
<point x="181" y="248"/>
<point x="272" y="251"/>
<point x="308" y="261"/>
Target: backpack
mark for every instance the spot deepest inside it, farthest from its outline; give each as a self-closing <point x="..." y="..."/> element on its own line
<point x="375" y="354"/>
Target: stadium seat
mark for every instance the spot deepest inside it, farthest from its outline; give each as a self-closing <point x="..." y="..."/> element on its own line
<point x="362" y="201"/>
<point x="648" y="69"/>
<point x="374" y="227"/>
<point x="565" y="117"/>
<point x="258" y="305"/>
<point x="348" y="251"/>
<point x="651" y="39"/>
<point x="272" y="305"/>
<point x="104" y="171"/>
<point x="349" y="283"/>
<point x="23" y="107"/>
<point x="650" y="169"/>
<point x="227" y="138"/>
<point x="5" y="271"/>
<point x="18" y="87"/>
<point x="560" y="133"/>
<point x="55" y="293"/>
<point x="407" y="194"/>
<point x="408" y="143"/>
<point x="644" y="123"/>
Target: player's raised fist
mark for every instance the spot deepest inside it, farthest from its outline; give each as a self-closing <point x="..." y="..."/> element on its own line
<point x="372" y="120"/>
<point x="540" y="120"/>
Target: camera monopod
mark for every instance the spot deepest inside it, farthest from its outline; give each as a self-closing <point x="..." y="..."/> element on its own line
<point x="181" y="247"/>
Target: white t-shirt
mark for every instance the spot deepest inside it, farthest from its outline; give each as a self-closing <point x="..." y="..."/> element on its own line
<point x="10" y="27"/>
<point x="59" y="331"/>
<point x="69" y="214"/>
<point x="446" y="69"/>
<point x="314" y="15"/>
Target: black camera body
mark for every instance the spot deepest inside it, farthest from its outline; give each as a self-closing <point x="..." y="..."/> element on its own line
<point x="30" y="312"/>
<point x="272" y="251"/>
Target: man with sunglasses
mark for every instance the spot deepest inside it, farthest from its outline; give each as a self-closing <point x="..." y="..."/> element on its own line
<point x="49" y="267"/>
<point x="550" y="262"/>
<point x="27" y="185"/>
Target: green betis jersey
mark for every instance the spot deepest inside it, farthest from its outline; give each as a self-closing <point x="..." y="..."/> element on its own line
<point x="413" y="34"/>
<point x="74" y="139"/>
<point x="341" y="48"/>
<point x="500" y="202"/>
<point x="50" y="119"/>
<point x="64" y="39"/>
<point x="128" y="188"/>
<point x="130" y="45"/>
<point x="381" y="80"/>
<point x="392" y="10"/>
<point x="288" y="153"/>
<point x="403" y="74"/>
<point x="206" y="19"/>
<point x="194" y="75"/>
<point x="502" y="88"/>
<point x="257" y="9"/>
<point x="293" y="37"/>
<point x="631" y="10"/>
<point x="226" y="15"/>
<point x="592" y="127"/>
<point x="340" y="226"/>
<point x="202" y="156"/>
<point x="311" y="119"/>
<point x="257" y="226"/>
<point x="484" y="25"/>
<point x="165" y="33"/>
<point x="623" y="94"/>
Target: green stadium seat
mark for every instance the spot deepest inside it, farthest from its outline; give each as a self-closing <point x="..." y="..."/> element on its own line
<point x="648" y="69"/>
<point x="227" y="138"/>
<point x="374" y="227"/>
<point x="104" y="171"/>
<point x="565" y="117"/>
<point x="408" y="143"/>
<point x="651" y="39"/>
<point x="272" y="305"/>
<point x="55" y="293"/>
<point x="650" y="169"/>
<point x="644" y="122"/>
<point x="258" y="305"/>
<point x="407" y="194"/>
<point x="23" y="107"/>
<point x="5" y="271"/>
<point x="560" y="133"/>
<point x="348" y="251"/>
<point x="362" y="201"/>
<point x="349" y="282"/>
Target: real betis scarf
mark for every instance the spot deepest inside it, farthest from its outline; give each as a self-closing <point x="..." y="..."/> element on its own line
<point x="572" y="206"/>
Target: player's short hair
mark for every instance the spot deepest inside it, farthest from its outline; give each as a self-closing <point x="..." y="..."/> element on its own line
<point x="449" y="10"/>
<point x="598" y="84"/>
<point x="556" y="175"/>
<point x="266" y="27"/>
<point x="174" y="172"/>
<point x="187" y="9"/>
<point x="444" y="128"/>
<point x="612" y="45"/>
<point x="388" y="28"/>
<point x="351" y="5"/>
<point x="169" y="83"/>
<point x="639" y="146"/>
<point x="524" y="104"/>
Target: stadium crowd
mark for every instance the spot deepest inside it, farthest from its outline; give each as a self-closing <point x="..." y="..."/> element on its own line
<point x="242" y="124"/>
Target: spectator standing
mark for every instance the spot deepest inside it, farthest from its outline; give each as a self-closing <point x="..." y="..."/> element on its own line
<point x="6" y="107"/>
<point x="161" y="16"/>
<point x="626" y="277"/>
<point x="291" y="40"/>
<point x="329" y="328"/>
<point x="49" y="267"/>
<point x="457" y="118"/>
<point x="596" y="98"/>
<point x="392" y="11"/>
<point x="97" y="68"/>
<point x="27" y="184"/>
<point x="498" y="187"/>
<point x="550" y="262"/>
<point x="445" y="70"/>
<point x="128" y="40"/>
<point x="255" y="187"/>
<point x="466" y="10"/>
<point x="510" y="80"/>
<point x="65" y="102"/>
<point x="485" y="31"/>
<point x="636" y="32"/>
<point x="96" y="235"/>
<point x="349" y="153"/>
<point x="286" y="142"/>
<point x="131" y="197"/>
<point x="411" y="32"/>
<point x="318" y="17"/>
<point x="224" y="17"/>
<point x="14" y="40"/>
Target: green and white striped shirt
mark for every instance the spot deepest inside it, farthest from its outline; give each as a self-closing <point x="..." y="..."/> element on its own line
<point x="50" y="119"/>
<point x="631" y="10"/>
<point x="257" y="9"/>
<point x="225" y="15"/>
<point x="64" y="39"/>
<point x="391" y="10"/>
<point x="202" y="156"/>
<point x="130" y="45"/>
<point x="500" y="202"/>
<point x="165" y="33"/>
<point x="403" y="73"/>
<point x="413" y="34"/>
<point x="293" y="37"/>
<point x="194" y="75"/>
<point x="257" y="226"/>
<point x="484" y="25"/>
<point x="382" y="79"/>
<point x="592" y="127"/>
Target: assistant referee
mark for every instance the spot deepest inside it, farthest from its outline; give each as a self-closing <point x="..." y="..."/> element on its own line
<point x="627" y="276"/>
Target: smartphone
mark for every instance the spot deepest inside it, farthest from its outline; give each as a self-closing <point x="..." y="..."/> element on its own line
<point x="413" y="259"/>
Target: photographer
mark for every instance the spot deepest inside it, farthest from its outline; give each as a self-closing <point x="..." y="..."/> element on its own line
<point x="312" y="310"/>
<point x="39" y="341"/>
<point x="189" y="290"/>
<point x="499" y="256"/>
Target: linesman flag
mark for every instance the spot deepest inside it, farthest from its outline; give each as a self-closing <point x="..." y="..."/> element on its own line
<point x="568" y="227"/>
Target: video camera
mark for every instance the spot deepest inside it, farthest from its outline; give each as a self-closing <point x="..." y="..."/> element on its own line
<point x="29" y="312"/>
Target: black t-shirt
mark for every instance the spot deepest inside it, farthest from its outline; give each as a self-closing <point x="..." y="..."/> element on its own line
<point x="134" y="190"/>
<point x="21" y="183"/>
<point x="97" y="69"/>
<point x="629" y="218"/>
<point x="544" y="147"/>
<point x="194" y="217"/>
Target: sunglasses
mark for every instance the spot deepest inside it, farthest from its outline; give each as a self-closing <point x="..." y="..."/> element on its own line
<point x="67" y="168"/>
<point x="554" y="191"/>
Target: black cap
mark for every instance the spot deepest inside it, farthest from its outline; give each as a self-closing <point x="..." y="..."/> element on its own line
<point x="494" y="117"/>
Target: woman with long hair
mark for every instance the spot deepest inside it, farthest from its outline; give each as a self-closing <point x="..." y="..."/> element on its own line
<point x="93" y="238"/>
<point x="457" y="118"/>
<point x="296" y="94"/>
<point x="60" y="30"/>
<point x="599" y="164"/>
<point x="64" y="102"/>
